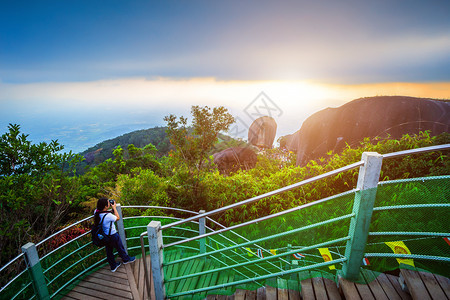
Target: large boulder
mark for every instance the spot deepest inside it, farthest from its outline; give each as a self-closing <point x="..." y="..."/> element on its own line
<point x="235" y="158"/>
<point x="262" y="132"/>
<point x="387" y="116"/>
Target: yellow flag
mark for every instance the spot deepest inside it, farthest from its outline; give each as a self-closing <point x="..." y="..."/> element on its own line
<point x="326" y="255"/>
<point x="400" y="248"/>
<point x="273" y="251"/>
<point x="249" y="252"/>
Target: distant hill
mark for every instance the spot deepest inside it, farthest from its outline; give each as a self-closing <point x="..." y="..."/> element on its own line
<point x="157" y="136"/>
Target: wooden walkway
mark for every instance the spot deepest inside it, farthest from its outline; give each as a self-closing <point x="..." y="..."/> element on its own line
<point x="128" y="283"/>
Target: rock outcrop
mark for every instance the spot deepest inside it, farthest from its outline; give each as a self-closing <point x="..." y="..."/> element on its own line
<point x="393" y="116"/>
<point x="262" y="132"/>
<point x="233" y="159"/>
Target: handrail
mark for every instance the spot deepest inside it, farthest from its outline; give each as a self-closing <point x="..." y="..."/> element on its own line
<point x="263" y="218"/>
<point x="269" y="194"/>
<point x="10" y="262"/>
<point x="264" y="259"/>
<point x="64" y="229"/>
<point x="416" y="151"/>
<point x="262" y="239"/>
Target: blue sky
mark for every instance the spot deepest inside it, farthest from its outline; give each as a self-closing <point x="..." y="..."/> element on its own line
<point x="74" y="46"/>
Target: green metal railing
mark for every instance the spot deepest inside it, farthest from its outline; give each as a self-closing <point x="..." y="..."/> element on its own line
<point x="364" y="199"/>
<point x="236" y="249"/>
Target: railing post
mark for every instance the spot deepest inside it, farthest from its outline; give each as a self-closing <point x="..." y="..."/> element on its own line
<point x="202" y="230"/>
<point x="369" y="175"/>
<point x="35" y="269"/>
<point x="121" y="228"/>
<point x="155" y="243"/>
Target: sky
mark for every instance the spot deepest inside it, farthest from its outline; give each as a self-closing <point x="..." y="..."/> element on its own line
<point x="84" y="71"/>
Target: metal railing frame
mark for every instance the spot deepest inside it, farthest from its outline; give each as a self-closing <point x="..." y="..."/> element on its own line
<point x="369" y="173"/>
<point x="251" y="200"/>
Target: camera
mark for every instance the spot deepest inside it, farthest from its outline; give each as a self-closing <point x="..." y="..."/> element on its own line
<point x="111" y="201"/>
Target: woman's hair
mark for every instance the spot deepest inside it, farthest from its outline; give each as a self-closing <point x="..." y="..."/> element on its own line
<point x="102" y="203"/>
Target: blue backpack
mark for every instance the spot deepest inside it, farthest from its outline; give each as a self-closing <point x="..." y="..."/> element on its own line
<point x="99" y="237"/>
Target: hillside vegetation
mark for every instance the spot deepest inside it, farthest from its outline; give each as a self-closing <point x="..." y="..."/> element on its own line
<point x="156" y="136"/>
<point x="39" y="192"/>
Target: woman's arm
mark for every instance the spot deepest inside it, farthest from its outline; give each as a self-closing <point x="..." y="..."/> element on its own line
<point x="115" y="211"/>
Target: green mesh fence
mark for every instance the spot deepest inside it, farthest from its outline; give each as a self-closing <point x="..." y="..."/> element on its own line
<point x="418" y="216"/>
<point x="311" y="242"/>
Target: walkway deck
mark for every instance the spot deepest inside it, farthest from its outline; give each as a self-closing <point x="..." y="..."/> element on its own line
<point x="128" y="283"/>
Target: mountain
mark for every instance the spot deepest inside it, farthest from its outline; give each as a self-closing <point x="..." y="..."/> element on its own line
<point x="157" y="136"/>
<point x="331" y="129"/>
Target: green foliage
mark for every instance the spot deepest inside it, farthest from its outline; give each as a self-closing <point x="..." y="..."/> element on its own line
<point x="142" y="187"/>
<point x="36" y="191"/>
<point x="192" y="149"/>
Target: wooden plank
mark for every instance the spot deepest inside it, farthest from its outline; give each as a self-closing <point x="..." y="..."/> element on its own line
<point x="79" y="296"/>
<point x="132" y="282"/>
<point x="152" y="284"/>
<point x="106" y="277"/>
<point x="307" y="289"/>
<point x="319" y="288"/>
<point x="112" y="274"/>
<point x="433" y="287"/>
<point x="213" y="281"/>
<point x="136" y="268"/>
<point x="260" y="293"/>
<point x="106" y="283"/>
<point x="250" y="295"/>
<point x="396" y="284"/>
<point x="373" y="284"/>
<point x="206" y="282"/>
<point x="444" y="282"/>
<point x="96" y="294"/>
<point x="178" y="286"/>
<point x="415" y="284"/>
<point x="170" y="268"/>
<point x="332" y="289"/>
<point x="282" y="290"/>
<point x="271" y="292"/>
<point x="109" y="292"/>
<point x="293" y="292"/>
<point x="239" y="294"/>
<point x="141" y="280"/>
<point x="364" y="291"/>
<point x="387" y="287"/>
<point x="230" y="297"/>
<point x="349" y="289"/>
<point x="194" y="280"/>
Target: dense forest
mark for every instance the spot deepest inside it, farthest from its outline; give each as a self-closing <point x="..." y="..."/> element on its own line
<point x="42" y="190"/>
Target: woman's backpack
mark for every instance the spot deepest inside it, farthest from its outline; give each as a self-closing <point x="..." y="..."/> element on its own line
<point x="99" y="237"/>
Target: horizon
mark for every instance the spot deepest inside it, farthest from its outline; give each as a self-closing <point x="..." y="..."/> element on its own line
<point x="85" y="72"/>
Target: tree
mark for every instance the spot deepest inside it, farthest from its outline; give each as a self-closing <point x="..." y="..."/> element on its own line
<point x="36" y="189"/>
<point x="192" y="145"/>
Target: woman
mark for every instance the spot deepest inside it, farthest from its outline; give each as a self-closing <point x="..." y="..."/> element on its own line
<point x="109" y="228"/>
